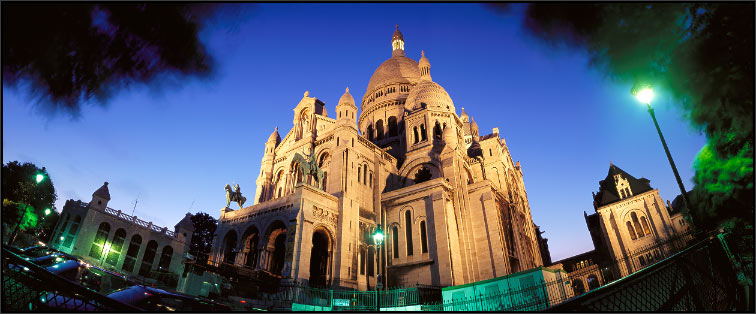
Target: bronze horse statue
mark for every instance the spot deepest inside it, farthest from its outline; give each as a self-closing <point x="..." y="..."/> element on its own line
<point x="309" y="167"/>
<point x="234" y="196"/>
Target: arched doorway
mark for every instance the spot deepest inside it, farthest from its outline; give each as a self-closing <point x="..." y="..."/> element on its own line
<point x="578" y="287"/>
<point x="276" y="247"/>
<point x="252" y="238"/>
<point x="229" y="247"/>
<point x="319" y="258"/>
<point x="593" y="282"/>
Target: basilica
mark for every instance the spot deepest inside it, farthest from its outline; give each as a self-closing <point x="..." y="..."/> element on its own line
<point x="450" y="201"/>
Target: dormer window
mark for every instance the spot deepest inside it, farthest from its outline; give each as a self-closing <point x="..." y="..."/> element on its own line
<point x="623" y="186"/>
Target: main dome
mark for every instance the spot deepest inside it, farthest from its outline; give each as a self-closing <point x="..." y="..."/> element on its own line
<point x="397" y="69"/>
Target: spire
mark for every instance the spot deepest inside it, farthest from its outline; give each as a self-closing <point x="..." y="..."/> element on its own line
<point x="424" y="66"/>
<point x="397" y="43"/>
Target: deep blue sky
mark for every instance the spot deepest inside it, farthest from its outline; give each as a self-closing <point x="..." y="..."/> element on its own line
<point x="176" y="148"/>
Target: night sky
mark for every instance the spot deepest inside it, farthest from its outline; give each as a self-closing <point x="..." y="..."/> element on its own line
<point x="176" y="147"/>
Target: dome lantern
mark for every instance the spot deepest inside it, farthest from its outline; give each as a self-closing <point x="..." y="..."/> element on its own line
<point x="397" y="43"/>
<point x="424" y="66"/>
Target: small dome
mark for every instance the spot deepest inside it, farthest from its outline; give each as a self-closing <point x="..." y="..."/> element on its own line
<point x="274" y="136"/>
<point x="464" y="117"/>
<point x="429" y="93"/>
<point x="424" y="66"/>
<point x="347" y="99"/>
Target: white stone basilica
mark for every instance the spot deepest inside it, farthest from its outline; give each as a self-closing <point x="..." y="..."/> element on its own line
<point x="452" y="203"/>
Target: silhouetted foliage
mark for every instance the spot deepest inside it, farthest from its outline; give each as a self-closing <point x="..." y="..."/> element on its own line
<point x="70" y="53"/>
<point x="19" y="188"/>
<point x="701" y="54"/>
<point x="202" y="237"/>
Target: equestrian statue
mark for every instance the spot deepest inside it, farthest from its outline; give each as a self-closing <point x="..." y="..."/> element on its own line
<point x="309" y="166"/>
<point x="234" y="196"/>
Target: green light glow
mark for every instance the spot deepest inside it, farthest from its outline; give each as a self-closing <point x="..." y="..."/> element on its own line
<point x="61" y="238"/>
<point x="378" y="236"/>
<point x="40" y="177"/>
<point x="645" y="95"/>
<point x="47" y="211"/>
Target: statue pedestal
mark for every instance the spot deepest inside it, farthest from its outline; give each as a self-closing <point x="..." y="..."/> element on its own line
<point x="225" y="210"/>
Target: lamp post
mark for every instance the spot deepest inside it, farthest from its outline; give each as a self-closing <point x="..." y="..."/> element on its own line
<point x="378" y="239"/>
<point x="644" y="94"/>
<point x="38" y="178"/>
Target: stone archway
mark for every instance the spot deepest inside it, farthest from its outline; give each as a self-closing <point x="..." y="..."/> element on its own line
<point x="251" y="247"/>
<point x="320" y="257"/>
<point x="276" y="247"/>
<point x="229" y="247"/>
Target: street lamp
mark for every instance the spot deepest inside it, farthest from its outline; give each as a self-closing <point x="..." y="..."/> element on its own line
<point x="38" y="178"/>
<point x="644" y="93"/>
<point x="378" y="240"/>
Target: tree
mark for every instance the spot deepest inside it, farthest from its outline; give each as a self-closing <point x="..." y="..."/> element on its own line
<point x="699" y="53"/>
<point x="202" y="237"/>
<point x="25" y="199"/>
<point x="72" y="53"/>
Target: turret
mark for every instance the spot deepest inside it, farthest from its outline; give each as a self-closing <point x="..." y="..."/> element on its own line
<point x="424" y="66"/>
<point x="346" y="109"/>
<point x="264" y="188"/>
<point x="101" y="197"/>
<point x="184" y="229"/>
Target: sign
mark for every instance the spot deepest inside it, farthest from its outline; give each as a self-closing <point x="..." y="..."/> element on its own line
<point x="340" y="302"/>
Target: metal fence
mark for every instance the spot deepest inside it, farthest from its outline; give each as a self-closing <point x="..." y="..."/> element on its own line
<point x="698" y="272"/>
<point x="699" y="278"/>
<point x="28" y="287"/>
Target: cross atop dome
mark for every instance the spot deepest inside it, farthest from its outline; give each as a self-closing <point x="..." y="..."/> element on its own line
<point x="397" y="43"/>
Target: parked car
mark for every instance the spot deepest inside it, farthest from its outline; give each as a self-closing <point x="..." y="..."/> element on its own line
<point x="145" y="298"/>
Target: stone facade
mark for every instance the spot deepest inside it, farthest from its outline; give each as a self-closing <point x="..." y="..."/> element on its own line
<point x="109" y="238"/>
<point x="451" y="203"/>
<point x="630" y="216"/>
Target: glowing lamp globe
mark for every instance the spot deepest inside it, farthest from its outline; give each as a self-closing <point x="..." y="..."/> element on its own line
<point x="645" y="95"/>
<point x="378" y="236"/>
<point x="40" y="177"/>
<point x="47" y="211"/>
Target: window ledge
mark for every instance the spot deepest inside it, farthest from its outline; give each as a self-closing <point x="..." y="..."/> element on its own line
<point x="413" y="263"/>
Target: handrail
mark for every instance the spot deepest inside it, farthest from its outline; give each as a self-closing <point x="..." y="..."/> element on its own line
<point x="57" y="284"/>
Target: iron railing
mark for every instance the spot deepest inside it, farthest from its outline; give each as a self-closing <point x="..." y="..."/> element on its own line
<point x="686" y="272"/>
<point x="28" y="287"/>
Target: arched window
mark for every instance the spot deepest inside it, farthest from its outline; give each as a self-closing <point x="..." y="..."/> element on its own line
<point x="148" y="258"/>
<point x="437" y="130"/>
<point x="62" y="230"/>
<point x="114" y="253"/>
<point x="645" y="226"/>
<point x="423" y="238"/>
<point x="359" y="174"/>
<point x="408" y="231"/>
<point x="371" y="262"/>
<point x="593" y="282"/>
<point x="631" y="231"/>
<point x="72" y="231"/>
<point x="370" y="132"/>
<point x="371" y="179"/>
<point x="132" y="253"/>
<point x="637" y="225"/>
<point x="364" y="174"/>
<point x="423" y="134"/>
<point x="392" y="126"/>
<point x="362" y="261"/>
<point x="99" y="240"/>
<point x="414" y="129"/>
<point x="379" y="133"/>
<point x="165" y="258"/>
<point x="395" y="241"/>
